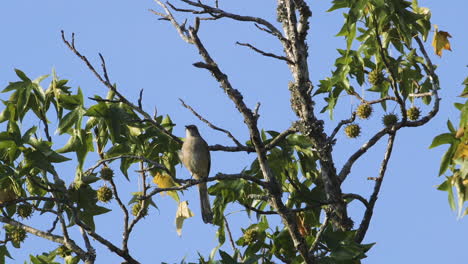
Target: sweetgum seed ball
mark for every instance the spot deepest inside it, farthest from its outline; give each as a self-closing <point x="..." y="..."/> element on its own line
<point x="16" y="234"/>
<point x="24" y="210"/>
<point x="375" y="77"/>
<point x="353" y="130"/>
<point x="104" y="194"/>
<point x="364" y="111"/>
<point x="137" y="207"/>
<point x="107" y="173"/>
<point x="413" y="113"/>
<point x="250" y="236"/>
<point x="389" y="120"/>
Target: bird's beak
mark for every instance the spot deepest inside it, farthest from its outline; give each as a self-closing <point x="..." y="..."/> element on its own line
<point x="186" y="126"/>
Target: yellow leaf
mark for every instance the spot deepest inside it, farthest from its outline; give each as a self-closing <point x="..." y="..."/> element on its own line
<point x="183" y="212"/>
<point x="166" y="181"/>
<point x="301" y="225"/>
<point x="462" y="151"/>
<point x="440" y="41"/>
<point x="460" y="132"/>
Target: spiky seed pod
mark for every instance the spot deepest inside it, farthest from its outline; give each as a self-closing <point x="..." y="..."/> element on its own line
<point x="104" y="194"/>
<point x="137" y="207"/>
<point x="375" y="77"/>
<point x="24" y="210"/>
<point x="413" y="113"/>
<point x="352" y="130"/>
<point x="15" y="233"/>
<point x="389" y="120"/>
<point x="250" y="236"/>
<point x="364" y="111"/>
<point x="63" y="251"/>
<point x="107" y="173"/>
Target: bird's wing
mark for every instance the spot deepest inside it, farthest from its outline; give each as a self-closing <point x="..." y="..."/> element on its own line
<point x="209" y="159"/>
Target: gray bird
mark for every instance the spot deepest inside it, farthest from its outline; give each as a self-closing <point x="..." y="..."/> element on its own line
<point x="195" y="156"/>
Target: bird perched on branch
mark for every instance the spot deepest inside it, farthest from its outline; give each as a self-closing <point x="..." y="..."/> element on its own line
<point x="195" y="156"/>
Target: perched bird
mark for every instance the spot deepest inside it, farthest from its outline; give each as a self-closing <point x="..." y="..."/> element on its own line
<point x="195" y="156"/>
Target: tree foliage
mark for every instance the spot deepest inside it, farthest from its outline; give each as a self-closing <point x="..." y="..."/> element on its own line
<point x="454" y="164"/>
<point x="294" y="176"/>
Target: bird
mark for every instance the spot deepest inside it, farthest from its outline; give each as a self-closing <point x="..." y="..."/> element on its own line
<point x="195" y="156"/>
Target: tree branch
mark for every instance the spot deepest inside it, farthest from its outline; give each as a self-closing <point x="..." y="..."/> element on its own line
<point x="191" y="182"/>
<point x="361" y="232"/>
<point x="229" y="134"/>
<point x="266" y="54"/>
<point x="54" y="238"/>
<point x="318" y="237"/>
<point x="340" y="124"/>
<point x="105" y="81"/>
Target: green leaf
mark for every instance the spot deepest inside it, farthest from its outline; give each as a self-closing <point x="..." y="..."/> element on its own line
<point x="447" y="158"/>
<point x="72" y="260"/>
<point x="4" y="253"/>
<point x="226" y="259"/>
<point x="450" y="126"/>
<point x="446" y="138"/>
<point x="22" y="76"/>
<point x="68" y="121"/>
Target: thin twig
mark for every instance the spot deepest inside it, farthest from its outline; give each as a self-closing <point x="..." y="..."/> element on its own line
<point x="361" y="232"/>
<point x="340" y="124"/>
<point x="229" y="134"/>
<point x="105" y="81"/>
<point x="266" y="54"/>
<point x="318" y="237"/>
<point x="357" y="197"/>
<point x="231" y="240"/>
<point x="191" y="182"/>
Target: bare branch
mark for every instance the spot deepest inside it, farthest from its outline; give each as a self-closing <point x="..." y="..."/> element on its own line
<point x="152" y="162"/>
<point x="229" y="134"/>
<point x="266" y="54"/>
<point x="218" y="147"/>
<point x="416" y="95"/>
<point x="357" y="197"/>
<point x="106" y="82"/>
<point x="182" y="31"/>
<point x="363" y="149"/>
<point x="105" y="100"/>
<point x="274" y="142"/>
<point x="216" y="12"/>
<point x="318" y="237"/>
<point x="220" y="176"/>
<point x="295" y="210"/>
<point x="373" y="199"/>
<point x="231" y="240"/>
<point x="340" y="124"/>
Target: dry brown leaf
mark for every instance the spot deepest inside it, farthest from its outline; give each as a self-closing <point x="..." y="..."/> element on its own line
<point x="440" y="41"/>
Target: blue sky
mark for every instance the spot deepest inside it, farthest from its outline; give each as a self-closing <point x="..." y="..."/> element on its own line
<point x="412" y="221"/>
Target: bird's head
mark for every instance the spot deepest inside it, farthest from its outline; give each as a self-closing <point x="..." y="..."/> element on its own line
<point x="192" y="130"/>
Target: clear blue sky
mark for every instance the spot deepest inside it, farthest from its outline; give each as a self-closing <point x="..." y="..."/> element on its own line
<point x="412" y="221"/>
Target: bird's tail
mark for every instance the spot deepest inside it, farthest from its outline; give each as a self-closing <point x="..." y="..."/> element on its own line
<point x="206" y="212"/>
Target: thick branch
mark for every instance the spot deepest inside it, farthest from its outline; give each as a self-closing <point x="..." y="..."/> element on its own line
<point x="54" y="238"/>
